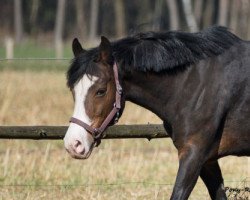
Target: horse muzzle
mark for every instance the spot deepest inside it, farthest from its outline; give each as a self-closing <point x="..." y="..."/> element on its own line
<point x="78" y="142"/>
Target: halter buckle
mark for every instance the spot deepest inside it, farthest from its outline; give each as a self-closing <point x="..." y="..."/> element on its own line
<point x="96" y="131"/>
<point x="97" y="134"/>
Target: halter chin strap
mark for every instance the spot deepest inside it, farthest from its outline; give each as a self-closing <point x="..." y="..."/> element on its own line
<point x="97" y="132"/>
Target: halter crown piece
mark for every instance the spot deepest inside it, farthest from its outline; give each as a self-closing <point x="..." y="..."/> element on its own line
<point x="97" y="132"/>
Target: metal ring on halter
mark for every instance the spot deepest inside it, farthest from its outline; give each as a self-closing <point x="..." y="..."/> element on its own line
<point x="117" y="117"/>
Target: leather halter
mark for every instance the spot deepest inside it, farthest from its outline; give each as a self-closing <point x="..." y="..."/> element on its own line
<point x="97" y="132"/>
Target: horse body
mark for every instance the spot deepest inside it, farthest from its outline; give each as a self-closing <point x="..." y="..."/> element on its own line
<point x="212" y="94"/>
<point x="198" y="84"/>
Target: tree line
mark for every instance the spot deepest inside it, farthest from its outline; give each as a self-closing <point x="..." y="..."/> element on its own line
<point x="88" y="19"/>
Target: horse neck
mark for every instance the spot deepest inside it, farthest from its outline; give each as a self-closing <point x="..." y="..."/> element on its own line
<point x="151" y="90"/>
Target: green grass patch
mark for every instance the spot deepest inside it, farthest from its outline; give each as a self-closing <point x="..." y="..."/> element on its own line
<point x="35" y="65"/>
<point x="43" y="56"/>
<point x="32" y="49"/>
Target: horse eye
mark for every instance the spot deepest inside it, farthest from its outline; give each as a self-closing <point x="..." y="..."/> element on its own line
<point x="101" y="92"/>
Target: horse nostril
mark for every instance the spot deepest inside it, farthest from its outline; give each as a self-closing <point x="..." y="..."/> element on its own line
<point x="78" y="147"/>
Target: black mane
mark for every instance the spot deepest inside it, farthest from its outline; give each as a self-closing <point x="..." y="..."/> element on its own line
<point x="158" y="52"/>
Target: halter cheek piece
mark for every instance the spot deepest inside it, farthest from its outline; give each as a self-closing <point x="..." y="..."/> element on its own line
<point x="114" y="113"/>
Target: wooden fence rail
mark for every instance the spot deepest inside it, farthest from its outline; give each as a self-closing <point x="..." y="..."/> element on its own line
<point x="151" y="131"/>
<point x="57" y="132"/>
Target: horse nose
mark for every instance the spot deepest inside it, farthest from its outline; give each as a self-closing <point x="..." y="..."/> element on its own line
<point x="78" y="147"/>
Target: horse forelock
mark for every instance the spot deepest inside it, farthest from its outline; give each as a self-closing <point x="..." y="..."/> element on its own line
<point x="80" y="65"/>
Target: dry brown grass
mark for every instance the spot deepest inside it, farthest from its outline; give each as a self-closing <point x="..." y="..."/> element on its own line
<point x="118" y="169"/>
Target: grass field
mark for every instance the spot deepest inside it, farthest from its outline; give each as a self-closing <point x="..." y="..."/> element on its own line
<point x="118" y="169"/>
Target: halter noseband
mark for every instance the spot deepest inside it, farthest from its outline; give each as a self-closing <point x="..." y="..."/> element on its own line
<point x="97" y="132"/>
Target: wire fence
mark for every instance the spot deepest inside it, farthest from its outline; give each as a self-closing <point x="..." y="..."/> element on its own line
<point x="35" y="63"/>
<point x="240" y="191"/>
<point x="244" y="184"/>
<point x="34" y="59"/>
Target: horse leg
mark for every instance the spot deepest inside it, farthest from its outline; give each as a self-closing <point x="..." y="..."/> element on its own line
<point x="191" y="160"/>
<point x="212" y="177"/>
<point x="193" y="148"/>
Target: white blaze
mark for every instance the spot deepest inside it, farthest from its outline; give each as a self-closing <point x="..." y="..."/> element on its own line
<point x="75" y="132"/>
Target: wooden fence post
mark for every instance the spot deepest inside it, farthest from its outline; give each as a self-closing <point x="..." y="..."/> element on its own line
<point x="9" y="46"/>
<point x="248" y="169"/>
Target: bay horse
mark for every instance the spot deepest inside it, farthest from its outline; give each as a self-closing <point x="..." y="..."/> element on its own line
<point x="197" y="83"/>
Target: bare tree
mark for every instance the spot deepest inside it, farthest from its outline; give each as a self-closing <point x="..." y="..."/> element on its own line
<point x="157" y="15"/>
<point x="191" y="22"/>
<point x="18" y="20"/>
<point x="59" y="25"/>
<point x="244" y="18"/>
<point x="80" y="19"/>
<point x="223" y="12"/>
<point x="234" y="7"/>
<point x="207" y="13"/>
<point x="248" y="37"/>
<point x="93" y="19"/>
<point x="198" y="4"/>
<point x="34" y="13"/>
<point x="173" y="14"/>
<point x="142" y="21"/>
<point x="119" y="18"/>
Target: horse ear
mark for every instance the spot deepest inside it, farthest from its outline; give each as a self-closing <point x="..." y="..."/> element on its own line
<point x="77" y="47"/>
<point x="105" y="50"/>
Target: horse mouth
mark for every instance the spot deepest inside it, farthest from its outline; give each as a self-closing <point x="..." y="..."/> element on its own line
<point x="81" y="156"/>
